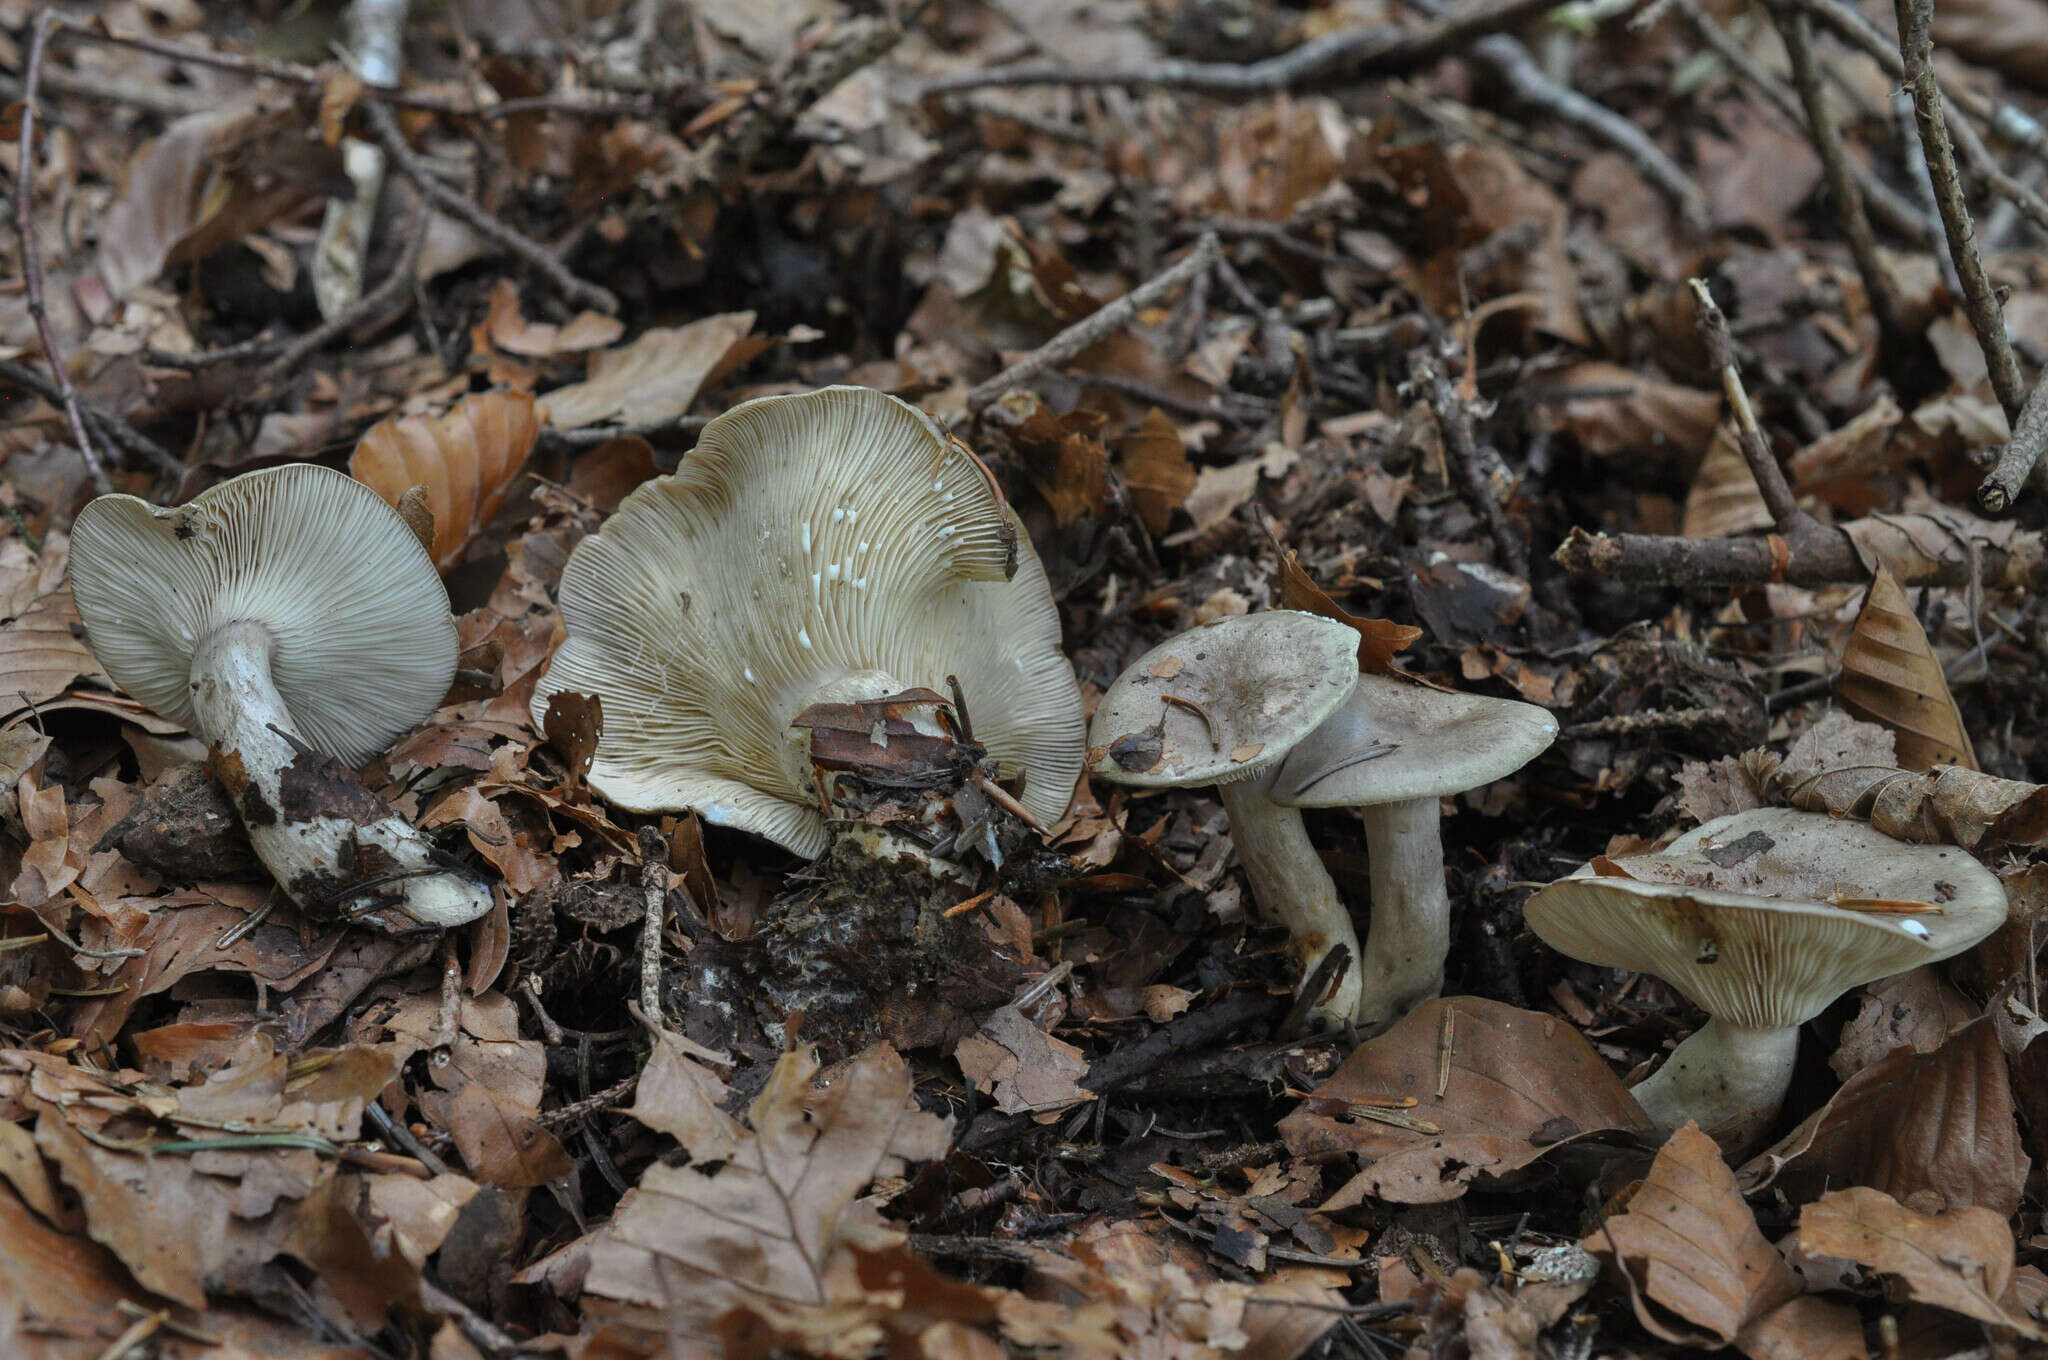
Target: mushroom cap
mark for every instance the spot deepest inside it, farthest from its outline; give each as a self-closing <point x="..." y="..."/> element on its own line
<point x="1755" y="941"/>
<point x="1263" y="680"/>
<point x="1441" y="743"/>
<point x="808" y="543"/>
<point x="364" y="646"/>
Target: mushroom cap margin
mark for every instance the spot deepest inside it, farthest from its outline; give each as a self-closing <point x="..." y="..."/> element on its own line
<point x="1266" y="681"/>
<point x="1765" y="961"/>
<point x="1446" y="743"/>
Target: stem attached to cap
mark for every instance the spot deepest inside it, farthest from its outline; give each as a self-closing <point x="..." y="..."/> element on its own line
<point x="320" y="832"/>
<point x="1291" y="886"/>
<point x="1729" y="1079"/>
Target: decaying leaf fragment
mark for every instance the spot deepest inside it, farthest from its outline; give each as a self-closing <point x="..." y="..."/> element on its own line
<point x="1961" y="1261"/>
<point x="1379" y="640"/>
<point x="1027" y="1070"/>
<point x="1890" y="675"/>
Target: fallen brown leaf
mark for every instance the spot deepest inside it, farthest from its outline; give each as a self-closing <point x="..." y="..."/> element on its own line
<point x="776" y="1226"/>
<point x="680" y="1096"/>
<point x="1693" y="1248"/>
<point x="654" y="378"/>
<point x="1027" y="1070"/>
<point x="42" y="652"/>
<point x="1890" y="675"/>
<point x="504" y="328"/>
<point x="466" y="459"/>
<point x="1520" y="1083"/>
<point x="1378" y="639"/>
<point x="1155" y="467"/>
<point x="1939" y="1123"/>
<point x="1961" y="1261"/>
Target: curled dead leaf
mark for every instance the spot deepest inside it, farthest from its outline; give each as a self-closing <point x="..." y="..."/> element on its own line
<point x="1702" y="1269"/>
<point x="466" y="460"/>
<point x="1890" y="675"/>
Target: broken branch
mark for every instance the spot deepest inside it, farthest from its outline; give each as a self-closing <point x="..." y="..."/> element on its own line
<point x="1097" y="325"/>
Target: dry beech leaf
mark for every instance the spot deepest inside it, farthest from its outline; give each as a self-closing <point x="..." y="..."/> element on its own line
<point x="1960" y="1261"/>
<point x="505" y="329"/>
<point x="42" y="652"/>
<point x="656" y="377"/>
<point x="1723" y="499"/>
<point x="1890" y="675"/>
<point x="465" y="459"/>
<point x="1693" y="1248"/>
<point x="210" y="178"/>
<point x="1378" y="639"/>
<point x="1963" y="807"/>
<point x="1155" y="468"/>
<point x="1940" y="1123"/>
<point x="1520" y="1083"/>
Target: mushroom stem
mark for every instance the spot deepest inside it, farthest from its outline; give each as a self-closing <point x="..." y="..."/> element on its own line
<point x="1410" y="932"/>
<point x="1291" y="886"/>
<point x="1729" y="1079"/>
<point x="317" y="830"/>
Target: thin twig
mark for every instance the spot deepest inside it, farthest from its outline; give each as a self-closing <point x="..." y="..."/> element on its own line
<point x="1454" y="424"/>
<point x="1980" y="303"/>
<point x="1097" y="325"/>
<point x="1786" y="516"/>
<point x="1891" y="208"/>
<point x="409" y="163"/>
<point x="1512" y="61"/>
<point x="31" y="257"/>
<point x="1797" y="31"/>
<point x="111" y="427"/>
<point x="1334" y="56"/>
<point x="2022" y="454"/>
<point x="1827" y="558"/>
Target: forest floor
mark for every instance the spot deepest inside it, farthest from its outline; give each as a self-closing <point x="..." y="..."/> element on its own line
<point x="1654" y="362"/>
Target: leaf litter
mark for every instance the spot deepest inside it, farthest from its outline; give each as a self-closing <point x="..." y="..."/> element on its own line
<point x="1063" y="1108"/>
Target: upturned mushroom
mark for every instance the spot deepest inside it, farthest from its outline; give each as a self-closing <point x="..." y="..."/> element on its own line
<point x="1224" y="704"/>
<point x="290" y="620"/>
<point x="825" y="547"/>
<point x="1391" y="751"/>
<point x="1763" y="919"/>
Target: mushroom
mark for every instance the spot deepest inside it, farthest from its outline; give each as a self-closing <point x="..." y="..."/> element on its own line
<point x="291" y="621"/>
<point x="1391" y="751"/>
<point x="1223" y="704"/>
<point x="825" y="547"/>
<point x="1763" y="919"/>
